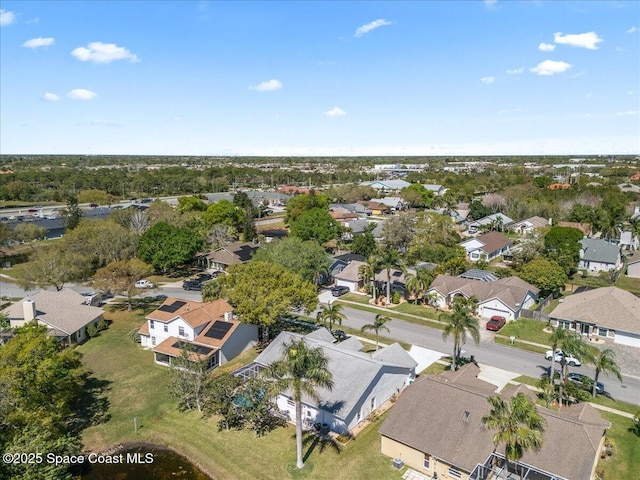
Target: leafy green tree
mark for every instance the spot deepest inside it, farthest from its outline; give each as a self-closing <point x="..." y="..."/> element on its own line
<point x="556" y="338"/>
<point x="477" y="210"/>
<point x="28" y="232"/>
<point x="333" y="313"/>
<point x="188" y="378"/>
<point x="377" y="325"/>
<point x="249" y="213"/>
<point x="222" y="393"/>
<point x="52" y="267"/>
<point x="417" y="196"/>
<point x="72" y="213"/>
<point x="364" y="244"/>
<point x="315" y="224"/>
<point x="96" y="196"/>
<point x="306" y="258"/>
<point x="564" y="243"/>
<point x="121" y="277"/>
<point x="302" y="203"/>
<point x="398" y="231"/>
<point x="260" y="292"/>
<point x="368" y="272"/>
<point x="5" y="324"/>
<point x="191" y="204"/>
<point x="301" y="370"/>
<point x="546" y="275"/>
<point x="458" y="323"/>
<point x="418" y="283"/>
<point x="255" y="403"/>
<point x="165" y="246"/>
<point x="224" y="212"/>
<point x="605" y="362"/>
<point x="517" y="425"/>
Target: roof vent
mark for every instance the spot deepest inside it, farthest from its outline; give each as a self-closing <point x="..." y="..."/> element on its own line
<point x="465" y="416"/>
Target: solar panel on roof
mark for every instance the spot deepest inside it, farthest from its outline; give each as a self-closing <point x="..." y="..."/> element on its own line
<point x="218" y="330"/>
<point x="200" y="349"/>
<point x="174" y="307"/>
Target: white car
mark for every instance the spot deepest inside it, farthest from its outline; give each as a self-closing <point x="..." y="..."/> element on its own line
<point x="571" y="360"/>
<point x="145" y="284"/>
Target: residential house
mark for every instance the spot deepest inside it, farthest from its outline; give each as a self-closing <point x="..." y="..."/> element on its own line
<point x="480" y="275"/>
<point x="609" y="314"/>
<point x="362" y="382"/>
<point x="65" y="313"/>
<point x="488" y="246"/>
<point x="377" y="208"/>
<point x="436" y="428"/>
<point x="629" y="187"/>
<point x="435" y="189"/>
<point x="350" y="276"/>
<point x="486" y="222"/>
<point x="528" y="225"/>
<point x="633" y="265"/>
<point x="597" y="256"/>
<point x="209" y="329"/>
<point x="505" y="297"/>
<point x="395" y="204"/>
<point x="585" y="228"/>
<point x="394" y="185"/>
<point x="223" y="257"/>
<point x="629" y="241"/>
<point x="356" y="208"/>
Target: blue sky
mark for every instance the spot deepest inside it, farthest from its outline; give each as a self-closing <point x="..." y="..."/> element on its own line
<point x="320" y="78"/>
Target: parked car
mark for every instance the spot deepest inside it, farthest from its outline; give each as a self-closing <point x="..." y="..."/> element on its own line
<point x="571" y="360"/>
<point x="585" y="382"/>
<point x="339" y="291"/>
<point x="496" y="323"/>
<point x="191" y="284"/>
<point x="93" y="205"/>
<point x="145" y="284"/>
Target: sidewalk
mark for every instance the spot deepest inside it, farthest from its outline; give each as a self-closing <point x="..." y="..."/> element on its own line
<point x="389" y="312"/>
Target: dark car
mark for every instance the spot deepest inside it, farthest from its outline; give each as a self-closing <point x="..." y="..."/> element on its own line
<point x="192" y="285"/>
<point x="93" y="205"/>
<point x="496" y="323"/>
<point x="585" y="382"/>
<point x="339" y="291"/>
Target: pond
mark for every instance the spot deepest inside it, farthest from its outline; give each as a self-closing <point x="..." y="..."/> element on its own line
<point x="142" y="462"/>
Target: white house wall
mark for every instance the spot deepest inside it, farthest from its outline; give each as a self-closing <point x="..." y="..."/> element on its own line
<point x="495" y="307"/>
<point x="626" y="338"/>
<point x="353" y="286"/>
<point x="173" y="331"/>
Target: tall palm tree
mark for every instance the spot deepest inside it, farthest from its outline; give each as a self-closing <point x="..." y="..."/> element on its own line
<point x="558" y="334"/>
<point x="368" y="273"/>
<point x="377" y="325"/>
<point x="331" y="312"/>
<point x="418" y="283"/>
<point x="301" y="370"/>
<point x="517" y="424"/>
<point x="459" y="323"/>
<point x="388" y="259"/>
<point x="605" y="363"/>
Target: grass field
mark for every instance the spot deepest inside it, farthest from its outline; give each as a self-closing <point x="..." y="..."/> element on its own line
<point x="393" y="313"/>
<point x="626" y="444"/>
<point x="138" y="388"/>
<point x="526" y="329"/>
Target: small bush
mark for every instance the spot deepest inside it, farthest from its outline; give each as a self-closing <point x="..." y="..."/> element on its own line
<point x="395" y="298"/>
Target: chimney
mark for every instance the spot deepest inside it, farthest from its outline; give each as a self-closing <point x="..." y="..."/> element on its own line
<point x="29" y="310"/>
<point x="228" y="316"/>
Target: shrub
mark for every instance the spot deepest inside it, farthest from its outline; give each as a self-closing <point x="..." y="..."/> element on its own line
<point x="395" y="298"/>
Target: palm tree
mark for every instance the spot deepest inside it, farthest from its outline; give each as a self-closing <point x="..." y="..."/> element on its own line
<point x="331" y="312"/>
<point x="389" y="259"/>
<point x="377" y="325"/>
<point x="368" y="273"/>
<point x="418" y="283"/>
<point x="458" y="323"/>
<point x="517" y="424"/>
<point x="301" y="370"/>
<point x="558" y="334"/>
<point x="605" y="363"/>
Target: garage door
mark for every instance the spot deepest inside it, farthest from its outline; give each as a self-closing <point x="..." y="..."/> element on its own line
<point x="490" y="312"/>
<point x="627" y="339"/>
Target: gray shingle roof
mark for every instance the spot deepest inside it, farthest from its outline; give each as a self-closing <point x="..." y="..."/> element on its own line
<point x="596" y="250"/>
<point x="430" y="417"/>
<point x="353" y="372"/>
<point x="66" y="311"/>
<point x="609" y="307"/>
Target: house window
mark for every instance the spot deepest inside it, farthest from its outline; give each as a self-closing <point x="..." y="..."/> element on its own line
<point x="373" y="403"/>
<point x="166" y="327"/>
<point x="426" y="461"/>
<point x="181" y="331"/>
<point x="454" y="473"/>
<point x="153" y="340"/>
<point x="603" y="332"/>
<point x="151" y="324"/>
<point x="564" y="324"/>
<point x="291" y="403"/>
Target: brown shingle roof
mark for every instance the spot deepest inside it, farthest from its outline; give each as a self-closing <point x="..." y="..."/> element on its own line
<point x="351" y="271"/>
<point x="234" y="254"/>
<point x="194" y="313"/>
<point x="493" y="241"/>
<point x="443" y="417"/>
<point x="609" y="307"/>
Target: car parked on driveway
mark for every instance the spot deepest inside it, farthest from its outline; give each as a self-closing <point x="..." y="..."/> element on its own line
<point x="570" y="359"/>
<point x="145" y="284"/>
<point x="339" y="291"/>
<point x="496" y="323"/>
<point x="585" y="382"/>
<point x="191" y="284"/>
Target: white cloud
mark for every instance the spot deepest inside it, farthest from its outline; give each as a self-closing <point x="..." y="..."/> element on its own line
<point x="550" y="67"/>
<point x="268" y="86"/>
<point x="488" y="80"/>
<point x="628" y="112"/>
<point x="33" y="20"/>
<point x="81" y="94"/>
<point x="38" y="42"/>
<point x="7" y="18"/>
<point x="371" y="26"/>
<point x="587" y="40"/>
<point x="546" y="47"/>
<point x="50" y="97"/>
<point x="633" y="30"/>
<point x="335" y="112"/>
<point x="99" y="52"/>
<point x="515" y="71"/>
<point x="490" y="3"/>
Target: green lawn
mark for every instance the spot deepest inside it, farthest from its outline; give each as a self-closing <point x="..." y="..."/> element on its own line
<point x="630" y="284"/>
<point x="521" y="345"/>
<point x="624" y="461"/>
<point x="526" y="329"/>
<point x="420" y="310"/>
<point x="138" y="389"/>
<point x="354" y="297"/>
<point x="393" y="313"/>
